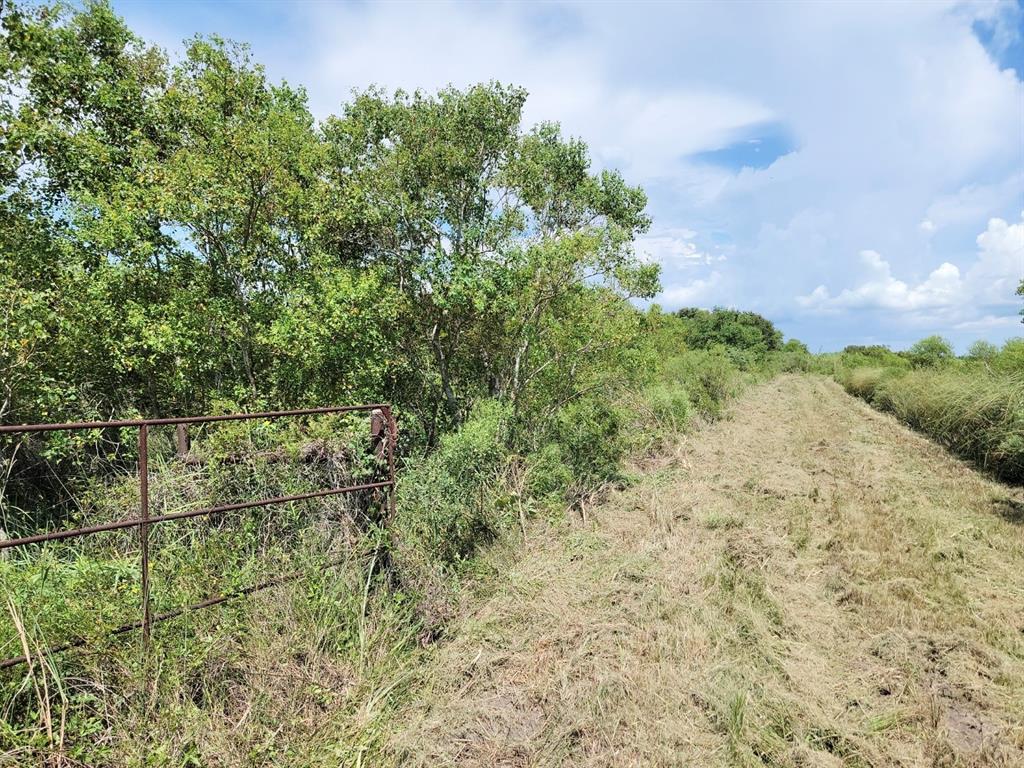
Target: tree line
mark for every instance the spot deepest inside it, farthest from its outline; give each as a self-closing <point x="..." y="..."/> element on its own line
<point x="184" y="236"/>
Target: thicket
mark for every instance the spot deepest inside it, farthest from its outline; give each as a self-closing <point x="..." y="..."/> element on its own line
<point x="730" y="328"/>
<point x="974" y="405"/>
<point x="183" y="237"/>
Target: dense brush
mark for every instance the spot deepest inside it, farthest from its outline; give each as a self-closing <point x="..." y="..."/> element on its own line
<point x="975" y="412"/>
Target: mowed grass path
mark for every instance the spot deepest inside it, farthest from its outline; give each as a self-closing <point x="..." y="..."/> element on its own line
<point x="806" y="583"/>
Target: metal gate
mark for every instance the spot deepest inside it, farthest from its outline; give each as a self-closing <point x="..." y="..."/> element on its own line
<point x="383" y="432"/>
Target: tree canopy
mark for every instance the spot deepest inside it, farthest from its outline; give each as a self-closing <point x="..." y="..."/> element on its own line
<point x="177" y="236"/>
<point x="930" y="352"/>
<point x="730" y="327"/>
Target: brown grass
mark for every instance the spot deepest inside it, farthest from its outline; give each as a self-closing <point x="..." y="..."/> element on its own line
<point x="804" y="584"/>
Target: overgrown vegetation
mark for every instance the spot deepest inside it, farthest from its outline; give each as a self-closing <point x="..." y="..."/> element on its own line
<point x="974" y="405"/>
<point x="182" y="237"/>
<point x="805" y="584"/>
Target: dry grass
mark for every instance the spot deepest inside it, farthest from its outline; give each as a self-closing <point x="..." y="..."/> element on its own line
<point x="804" y="584"/>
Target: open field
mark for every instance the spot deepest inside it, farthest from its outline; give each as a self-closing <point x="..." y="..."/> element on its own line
<point x="806" y="582"/>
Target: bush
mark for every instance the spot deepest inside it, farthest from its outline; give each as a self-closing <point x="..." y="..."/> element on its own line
<point x="668" y="405"/>
<point x="862" y="382"/>
<point x="730" y="328"/>
<point x="589" y="434"/>
<point x="794" y="358"/>
<point x="709" y="378"/>
<point x="548" y="475"/>
<point x="795" y="346"/>
<point x="450" y="502"/>
<point x="1010" y="358"/>
<point x="931" y="352"/>
<point x="874" y="356"/>
<point x="983" y="351"/>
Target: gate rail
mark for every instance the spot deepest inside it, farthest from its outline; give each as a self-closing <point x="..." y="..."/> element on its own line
<point x="383" y="432"/>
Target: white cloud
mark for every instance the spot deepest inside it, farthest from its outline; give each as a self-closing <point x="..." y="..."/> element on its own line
<point x="693" y="292"/>
<point x="675" y="248"/>
<point x="990" y="281"/>
<point x="989" y="323"/>
<point x="973" y="202"/>
<point x="905" y="125"/>
<point x="641" y="129"/>
<point x="943" y="287"/>
<point x="1000" y="266"/>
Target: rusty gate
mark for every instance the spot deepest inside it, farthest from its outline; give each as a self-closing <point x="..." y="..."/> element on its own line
<point x="383" y="432"/>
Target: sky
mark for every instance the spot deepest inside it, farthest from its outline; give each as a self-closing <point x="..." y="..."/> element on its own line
<point x="855" y="172"/>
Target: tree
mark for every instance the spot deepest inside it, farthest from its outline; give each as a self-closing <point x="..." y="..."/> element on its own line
<point x="732" y="328"/>
<point x="930" y="352"/>
<point x="176" y="235"/>
<point x="502" y="243"/>
<point x="983" y="351"/>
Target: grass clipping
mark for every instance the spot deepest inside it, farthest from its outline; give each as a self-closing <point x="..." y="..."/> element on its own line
<point x="805" y="584"/>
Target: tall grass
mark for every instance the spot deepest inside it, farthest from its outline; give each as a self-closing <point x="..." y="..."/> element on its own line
<point x="976" y="412"/>
<point x="322" y="660"/>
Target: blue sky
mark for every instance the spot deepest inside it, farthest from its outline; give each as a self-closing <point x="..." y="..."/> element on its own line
<point x="853" y="171"/>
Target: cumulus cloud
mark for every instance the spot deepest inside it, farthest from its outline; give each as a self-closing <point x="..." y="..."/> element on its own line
<point x="990" y="281"/>
<point x="699" y="292"/>
<point x="1000" y="266"/>
<point x="942" y="287"/>
<point x="675" y="248"/>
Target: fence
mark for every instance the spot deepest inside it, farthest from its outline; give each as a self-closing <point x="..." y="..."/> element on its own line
<point x="383" y="432"/>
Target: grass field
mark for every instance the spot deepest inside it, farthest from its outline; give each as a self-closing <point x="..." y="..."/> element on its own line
<point x="806" y="583"/>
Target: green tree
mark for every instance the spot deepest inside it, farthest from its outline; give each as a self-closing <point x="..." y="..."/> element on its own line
<point x="160" y="220"/>
<point x="1011" y="357"/>
<point x="983" y="351"/>
<point x="181" y="234"/>
<point x="931" y="352"/>
<point x="502" y="243"/>
<point x="731" y="328"/>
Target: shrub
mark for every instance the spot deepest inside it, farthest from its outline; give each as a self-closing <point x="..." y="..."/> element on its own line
<point x="931" y="352"/>
<point x="874" y="356"/>
<point x="589" y="434"/>
<point x="709" y="378"/>
<point x="983" y="351"/>
<point x="1011" y="357"/>
<point x="741" y="359"/>
<point x="668" y="405"/>
<point x="654" y="414"/>
<point x="794" y="357"/>
<point x="862" y="382"/>
<point x="547" y="473"/>
<point x="731" y="328"/>
<point x="449" y="500"/>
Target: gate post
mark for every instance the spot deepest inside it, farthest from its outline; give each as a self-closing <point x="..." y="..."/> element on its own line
<point x="383" y="436"/>
<point x="144" y="531"/>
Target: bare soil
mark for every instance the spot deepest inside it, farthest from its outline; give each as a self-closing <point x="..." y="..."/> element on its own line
<point x="805" y="583"/>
